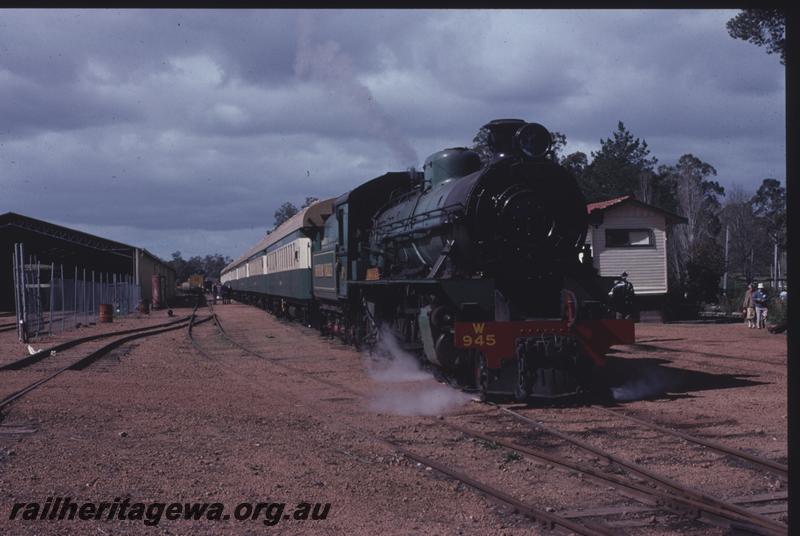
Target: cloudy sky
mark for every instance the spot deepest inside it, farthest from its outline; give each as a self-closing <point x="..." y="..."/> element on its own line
<point x="185" y="130"/>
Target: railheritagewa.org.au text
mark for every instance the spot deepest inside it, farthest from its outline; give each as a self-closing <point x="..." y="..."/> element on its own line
<point x="153" y="513"/>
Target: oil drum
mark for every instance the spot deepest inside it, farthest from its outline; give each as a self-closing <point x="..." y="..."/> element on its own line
<point x="106" y="313"/>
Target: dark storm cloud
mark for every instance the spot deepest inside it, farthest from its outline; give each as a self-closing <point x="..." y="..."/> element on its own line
<point x="187" y="129"/>
<point x="27" y="107"/>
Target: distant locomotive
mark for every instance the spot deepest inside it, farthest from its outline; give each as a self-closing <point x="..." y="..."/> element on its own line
<point x="477" y="264"/>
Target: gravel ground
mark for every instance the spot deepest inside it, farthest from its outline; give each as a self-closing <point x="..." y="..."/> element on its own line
<point x="156" y="421"/>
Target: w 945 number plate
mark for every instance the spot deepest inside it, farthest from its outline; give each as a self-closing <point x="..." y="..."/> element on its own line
<point x="478" y="337"/>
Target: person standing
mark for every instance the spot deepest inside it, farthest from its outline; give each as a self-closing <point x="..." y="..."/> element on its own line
<point x="760" y="299"/>
<point x="748" y="306"/>
<point x="622" y="296"/>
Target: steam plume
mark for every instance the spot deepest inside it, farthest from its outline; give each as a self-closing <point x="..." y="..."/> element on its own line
<point x="408" y="390"/>
<point x="648" y="383"/>
<point x="328" y="64"/>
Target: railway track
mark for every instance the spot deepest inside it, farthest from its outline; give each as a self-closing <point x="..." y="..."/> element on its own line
<point x="540" y="516"/>
<point x="660" y="490"/>
<point x="651" y="491"/>
<point x="29" y="360"/>
<point x="61" y="364"/>
<point x="761" y="462"/>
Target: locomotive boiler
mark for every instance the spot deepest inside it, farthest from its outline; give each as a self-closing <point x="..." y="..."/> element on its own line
<point x="475" y="264"/>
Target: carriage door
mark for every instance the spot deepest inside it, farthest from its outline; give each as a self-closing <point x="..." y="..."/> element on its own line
<point x="341" y="252"/>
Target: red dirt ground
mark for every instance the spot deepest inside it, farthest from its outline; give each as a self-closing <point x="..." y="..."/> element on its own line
<point x="156" y="421"/>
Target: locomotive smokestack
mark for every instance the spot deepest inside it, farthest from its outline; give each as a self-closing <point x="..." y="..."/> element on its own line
<point x="502" y="137"/>
<point x="501" y="134"/>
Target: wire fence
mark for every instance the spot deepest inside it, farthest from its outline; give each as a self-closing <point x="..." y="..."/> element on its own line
<point x="52" y="298"/>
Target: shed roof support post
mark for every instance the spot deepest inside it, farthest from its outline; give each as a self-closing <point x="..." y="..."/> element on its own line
<point x="85" y="306"/>
<point x="75" y="295"/>
<point x="52" y="298"/>
<point x="17" y="302"/>
<point x="38" y="297"/>
<point x="24" y="294"/>
<point x="63" y="299"/>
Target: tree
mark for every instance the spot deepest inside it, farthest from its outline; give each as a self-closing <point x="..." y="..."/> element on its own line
<point x="213" y="264"/>
<point x="309" y="201"/>
<point x="659" y="189"/>
<point x="481" y="145"/>
<point x="746" y="246"/>
<point x="209" y="266"/>
<point x="559" y="142"/>
<point x="704" y="267"/>
<point x="179" y="265"/>
<point x="769" y="208"/>
<point x="576" y="163"/>
<point x="769" y="205"/>
<point x="194" y="265"/>
<point x="762" y="27"/>
<point x="284" y="212"/>
<point x="697" y="197"/>
<point x="617" y="167"/>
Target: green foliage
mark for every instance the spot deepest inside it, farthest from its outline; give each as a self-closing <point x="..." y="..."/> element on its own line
<point x="617" y="167"/>
<point x="284" y="212"/>
<point x="480" y="144"/>
<point x="769" y="206"/>
<point x="512" y="456"/>
<point x="576" y="163"/>
<point x="749" y="249"/>
<point x="309" y="201"/>
<point x="696" y="194"/>
<point x="776" y="312"/>
<point x="559" y="142"/>
<point x="210" y="265"/>
<point x="663" y="191"/>
<point x="696" y="197"/>
<point x="762" y="27"/>
<point x="704" y="270"/>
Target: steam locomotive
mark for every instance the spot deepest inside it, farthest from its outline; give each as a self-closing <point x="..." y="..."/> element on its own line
<point x="477" y="263"/>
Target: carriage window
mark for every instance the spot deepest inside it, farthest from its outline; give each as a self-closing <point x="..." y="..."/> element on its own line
<point x="629" y="238"/>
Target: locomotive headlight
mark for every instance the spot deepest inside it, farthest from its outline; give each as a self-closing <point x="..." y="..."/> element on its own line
<point x="533" y="140"/>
